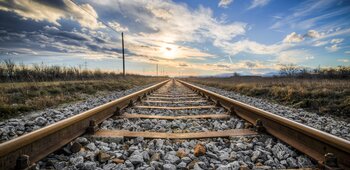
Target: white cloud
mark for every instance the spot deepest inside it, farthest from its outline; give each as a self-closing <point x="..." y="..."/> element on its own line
<point x="332" y="48"/>
<point x="293" y="56"/>
<point x="303" y="15"/>
<point x="343" y="60"/>
<point x="313" y="34"/>
<point x="335" y="47"/>
<point x="258" y="3"/>
<point x="337" y="40"/>
<point x="116" y="26"/>
<point x="225" y="3"/>
<point x="167" y="23"/>
<point x="252" y="47"/>
<point x="50" y="12"/>
<point x="319" y="43"/>
<point x="293" y="37"/>
<point x="347" y="52"/>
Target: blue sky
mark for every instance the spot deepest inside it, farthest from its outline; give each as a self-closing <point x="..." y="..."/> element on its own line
<point x="183" y="37"/>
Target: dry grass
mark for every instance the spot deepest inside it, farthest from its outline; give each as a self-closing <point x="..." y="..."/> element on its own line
<point x="22" y="97"/>
<point x="331" y="96"/>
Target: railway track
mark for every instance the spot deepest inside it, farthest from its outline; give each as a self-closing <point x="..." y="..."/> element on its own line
<point x="175" y="125"/>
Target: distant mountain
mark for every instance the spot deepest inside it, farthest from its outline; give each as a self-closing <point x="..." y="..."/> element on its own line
<point x="270" y="74"/>
<point x="223" y="75"/>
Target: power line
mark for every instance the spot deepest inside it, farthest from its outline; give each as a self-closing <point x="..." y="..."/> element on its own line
<point x="123" y="54"/>
<point x="103" y="22"/>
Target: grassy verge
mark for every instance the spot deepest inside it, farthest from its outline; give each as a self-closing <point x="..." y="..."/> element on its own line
<point x="319" y="95"/>
<point x="22" y="97"/>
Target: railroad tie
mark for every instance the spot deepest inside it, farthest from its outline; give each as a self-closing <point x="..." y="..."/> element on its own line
<point x="144" y="116"/>
<point x="176" y="108"/>
<point x="174" y="102"/>
<point x="162" y="135"/>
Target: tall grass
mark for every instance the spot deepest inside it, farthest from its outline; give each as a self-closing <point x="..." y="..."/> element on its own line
<point x="12" y="72"/>
<point x="21" y="97"/>
<point x="324" y="96"/>
<point x="26" y="88"/>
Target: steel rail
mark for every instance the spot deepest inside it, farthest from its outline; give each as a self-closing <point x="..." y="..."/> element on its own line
<point x="40" y="143"/>
<point x="314" y="143"/>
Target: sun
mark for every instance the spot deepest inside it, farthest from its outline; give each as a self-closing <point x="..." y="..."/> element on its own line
<point x="169" y="51"/>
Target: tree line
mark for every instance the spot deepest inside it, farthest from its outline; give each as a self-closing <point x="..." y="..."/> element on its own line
<point x="292" y="70"/>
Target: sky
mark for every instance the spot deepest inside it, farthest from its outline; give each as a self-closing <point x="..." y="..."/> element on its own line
<point x="182" y="37"/>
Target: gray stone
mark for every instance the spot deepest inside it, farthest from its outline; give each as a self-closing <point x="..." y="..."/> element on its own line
<point x="133" y="148"/>
<point x="234" y="165"/>
<point x="212" y="155"/>
<point x="292" y="162"/>
<point x="303" y="161"/>
<point x="59" y="165"/>
<point x="186" y="160"/>
<point x="169" y="167"/>
<point x="89" y="165"/>
<point x="91" y="146"/>
<point x="128" y="163"/>
<point x="110" y="166"/>
<point x="181" y="165"/>
<point x="159" y="143"/>
<point x="76" y="160"/>
<point x="270" y="162"/>
<point x="223" y="167"/>
<point x="40" y="121"/>
<point x="139" y="139"/>
<point x="241" y="146"/>
<point x="83" y="141"/>
<point x="155" y="164"/>
<point x="172" y="158"/>
<point x="224" y="155"/>
<point x="255" y="156"/>
<point x="146" y="156"/>
<point x="136" y="159"/>
<point x="197" y="167"/>
<point x="283" y="162"/>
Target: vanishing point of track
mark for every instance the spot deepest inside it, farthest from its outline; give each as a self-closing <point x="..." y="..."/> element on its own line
<point x="329" y="151"/>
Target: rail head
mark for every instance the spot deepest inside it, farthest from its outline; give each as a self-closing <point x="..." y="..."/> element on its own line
<point x="73" y="127"/>
<point x="308" y="140"/>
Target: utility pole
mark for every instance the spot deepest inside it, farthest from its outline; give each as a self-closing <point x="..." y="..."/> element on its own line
<point x="157" y="70"/>
<point x="123" y="54"/>
<point x="85" y="64"/>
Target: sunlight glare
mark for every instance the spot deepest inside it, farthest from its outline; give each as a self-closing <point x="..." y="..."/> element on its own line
<point x="169" y="51"/>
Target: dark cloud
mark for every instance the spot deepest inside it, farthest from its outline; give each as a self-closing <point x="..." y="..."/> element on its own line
<point x="152" y="59"/>
<point x="53" y="39"/>
<point x="222" y="66"/>
<point x="99" y="40"/>
<point x="65" y="34"/>
<point x="53" y="3"/>
<point x="183" y="65"/>
<point x="250" y="64"/>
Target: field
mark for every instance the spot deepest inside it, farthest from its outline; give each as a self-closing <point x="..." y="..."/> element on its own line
<point x="325" y="96"/>
<point x="21" y="97"/>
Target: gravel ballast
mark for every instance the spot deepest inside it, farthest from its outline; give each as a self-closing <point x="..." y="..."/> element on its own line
<point x="106" y="153"/>
<point x="176" y="126"/>
<point x="327" y="123"/>
<point x="258" y="152"/>
<point x="15" y="127"/>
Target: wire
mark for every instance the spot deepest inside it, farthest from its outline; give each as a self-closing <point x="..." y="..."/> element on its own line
<point x="104" y="23"/>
